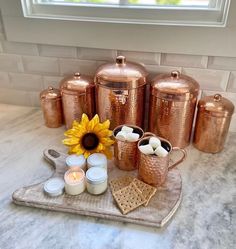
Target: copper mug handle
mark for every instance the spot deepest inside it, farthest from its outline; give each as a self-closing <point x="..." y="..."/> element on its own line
<point x="180" y="160"/>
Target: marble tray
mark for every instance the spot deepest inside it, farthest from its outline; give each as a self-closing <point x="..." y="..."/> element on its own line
<point x="159" y="211"/>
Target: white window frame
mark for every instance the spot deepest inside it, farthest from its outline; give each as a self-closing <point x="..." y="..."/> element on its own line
<point x="210" y="41"/>
<point x="213" y="16"/>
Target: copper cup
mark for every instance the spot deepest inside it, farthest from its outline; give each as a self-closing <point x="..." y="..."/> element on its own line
<point x="125" y="153"/>
<point x="153" y="169"/>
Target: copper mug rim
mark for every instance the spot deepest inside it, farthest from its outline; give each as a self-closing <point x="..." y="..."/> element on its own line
<point x="129" y="125"/>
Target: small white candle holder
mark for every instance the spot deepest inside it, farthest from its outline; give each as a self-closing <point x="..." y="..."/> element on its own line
<point x="73" y="161"/>
<point x="97" y="160"/>
<point x="74" y="181"/>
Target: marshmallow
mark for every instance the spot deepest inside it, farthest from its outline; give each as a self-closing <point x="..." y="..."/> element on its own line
<point x="161" y="152"/>
<point x="132" y="137"/>
<point x="127" y="129"/>
<point x="121" y="135"/>
<point x="146" y="149"/>
<point x="154" y="142"/>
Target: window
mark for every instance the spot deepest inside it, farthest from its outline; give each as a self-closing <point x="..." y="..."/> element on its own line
<point x="154" y="12"/>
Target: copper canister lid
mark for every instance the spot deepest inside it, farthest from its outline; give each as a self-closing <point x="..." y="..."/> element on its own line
<point x="175" y="86"/>
<point x="77" y="83"/>
<point x="121" y="74"/>
<point x="216" y="105"/>
<point x="50" y="93"/>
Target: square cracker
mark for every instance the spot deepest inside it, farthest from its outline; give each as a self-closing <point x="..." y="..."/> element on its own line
<point x="147" y="190"/>
<point x="120" y="182"/>
<point x="129" y="198"/>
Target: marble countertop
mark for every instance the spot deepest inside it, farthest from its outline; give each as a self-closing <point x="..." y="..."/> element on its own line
<point x="205" y="219"/>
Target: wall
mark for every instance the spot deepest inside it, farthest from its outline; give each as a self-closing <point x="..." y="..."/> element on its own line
<point x="26" y="69"/>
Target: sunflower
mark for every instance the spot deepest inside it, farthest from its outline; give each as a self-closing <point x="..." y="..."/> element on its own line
<point x="89" y="136"/>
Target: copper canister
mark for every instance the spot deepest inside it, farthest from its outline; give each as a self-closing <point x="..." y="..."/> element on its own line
<point x="212" y="123"/>
<point x="120" y="92"/>
<point x="173" y="100"/>
<point x="52" y="107"/>
<point x="78" y="97"/>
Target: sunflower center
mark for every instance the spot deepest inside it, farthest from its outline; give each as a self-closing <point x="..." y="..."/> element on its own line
<point x="90" y="141"/>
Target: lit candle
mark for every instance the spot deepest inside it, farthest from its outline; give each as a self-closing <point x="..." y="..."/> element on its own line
<point x="76" y="161"/>
<point x="74" y="181"/>
<point x="97" y="160"/>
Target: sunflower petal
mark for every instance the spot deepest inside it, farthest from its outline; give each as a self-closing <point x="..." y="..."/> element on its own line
<point x="108" y="153"/>
<point x="70" y="141"/>
<point x="84" y="120"/>
<point x="106" y="124"/>
<point x="107" y="141"/>
<point x="87" y="154"/>
<point x="104" y="133"/>
<point x="100" y="147"/>
<point x="78" y="149"/>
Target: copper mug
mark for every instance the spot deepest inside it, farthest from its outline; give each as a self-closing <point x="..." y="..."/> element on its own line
<point x="153" y="169"/>
<point x="125" y="153"/>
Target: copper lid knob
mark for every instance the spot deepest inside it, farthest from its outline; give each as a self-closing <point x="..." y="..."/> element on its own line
<point x="217" y="97"/>
<point x="175" y="74"/>
<point x="77" y="74"/>
<point x="120" y="59"/>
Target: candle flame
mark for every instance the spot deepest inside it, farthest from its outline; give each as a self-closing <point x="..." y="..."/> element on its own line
<point x="74" y="175"/>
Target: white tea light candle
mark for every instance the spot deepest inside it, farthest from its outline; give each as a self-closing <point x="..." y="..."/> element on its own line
<point x="97" y="160"/>
<point x="74" y="181"/>
<point x="76" y="161"/>
<point x="54" y="186"/>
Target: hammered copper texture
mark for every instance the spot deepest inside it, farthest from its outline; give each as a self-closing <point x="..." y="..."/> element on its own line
<point x="210" y="132"/>
<point x="120" y="106"/>
<point x="52" y="112"/>
<point x="152" y="169"/>
<point x="74" y="105"/>
<point x="172" y="120"/>
<point x="159" y="211"/>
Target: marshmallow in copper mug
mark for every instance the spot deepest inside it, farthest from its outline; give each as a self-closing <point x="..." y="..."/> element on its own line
<point x="153" y="169"/>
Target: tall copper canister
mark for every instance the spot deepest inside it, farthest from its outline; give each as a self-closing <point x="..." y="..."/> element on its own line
<point x="78" y="97"/>
<point x="50" y="99"/>
<point x="212" y="123"/>
<point x="120" y="92"/>
<point x="173" y="100"/>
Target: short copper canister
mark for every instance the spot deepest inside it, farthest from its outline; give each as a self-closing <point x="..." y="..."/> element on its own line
<point x="78" y="97"/>
<point x="52" y="107"/>
<point x="120" y="92"/>
<point x="173" y="100"/>
<point x="212" y="123"/>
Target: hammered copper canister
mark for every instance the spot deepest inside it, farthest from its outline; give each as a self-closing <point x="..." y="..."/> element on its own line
<point x="173" y="100"/>
<point x="120" y="92"/>
<point x="52" y="107"/>
<point x="212" y="123"/>
<point x="78" y="97"/>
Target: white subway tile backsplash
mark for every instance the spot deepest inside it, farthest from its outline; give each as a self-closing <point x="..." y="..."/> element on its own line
<point x="34" y="98"/>
<point x="28" y="82"/>
<point x="70" y="66"/>
<point x="232" y="82"/>
<point x="141" y="57"/>
<point x="184" y="60"/>
<point x="154" y="70"/>
<point x="53" y="81"/>
<point x="96" y="54"/>
<point x="222" y="63"/>
<point x="40" y="65"/>
<point x="209" y="79"/>
<point x="4" y="80"/>
<point x="19" y="48"/>
<point x="11" y="63"/>
<point x="57" y="51"/>
<point x="15" y="97"/>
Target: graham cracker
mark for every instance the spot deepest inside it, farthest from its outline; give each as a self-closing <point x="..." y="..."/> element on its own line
<point x="129" y="198"/>
<point x="147" y="190"/>
<point x="119" y="183"/>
